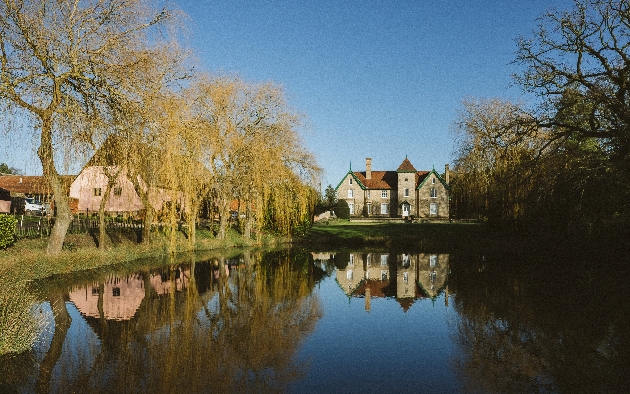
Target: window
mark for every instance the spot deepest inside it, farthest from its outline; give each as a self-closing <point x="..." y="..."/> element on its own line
<point x="433" y="180"/>
<point x="117" y="191"/>
<point x="384" y="209"/>
<point x="116" y="292"/>
<point x="383" y="275"/>
<point x="351" y="206"/>
<point x="406" y="277"/>
<point x="350" y="179"/>
<point x="369" y="208"/>
<point x="433" y="193"/>
<point x="97" y="191"/>
<point x="384" y="193"/>
<point x="369" y="259"/>
<point x="433" y="260"/>
<point x="349" y="274"/>
<point x="406" y="192"/>
<point x="384" y="259"/>
<point x="350" y="193"/>
<point x="368" y="194"/>
<point x="351" y="262"/>
<point x="433" y="209"/>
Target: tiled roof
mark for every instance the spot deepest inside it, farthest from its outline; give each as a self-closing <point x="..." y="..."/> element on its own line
<point x="406" y="166"/>
<point x="29" y="184"/>
<point x="379" y="180"/>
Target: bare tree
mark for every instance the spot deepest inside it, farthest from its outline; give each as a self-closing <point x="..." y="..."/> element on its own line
<point x="71" y="66"/>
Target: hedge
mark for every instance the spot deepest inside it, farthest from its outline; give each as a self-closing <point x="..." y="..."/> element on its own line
<point x="7" y="230"/>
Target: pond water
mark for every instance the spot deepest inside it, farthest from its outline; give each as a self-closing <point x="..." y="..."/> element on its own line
<point x="346" y="321"/>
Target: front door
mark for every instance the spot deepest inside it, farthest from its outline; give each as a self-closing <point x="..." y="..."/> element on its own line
<point x="405" y="209"/>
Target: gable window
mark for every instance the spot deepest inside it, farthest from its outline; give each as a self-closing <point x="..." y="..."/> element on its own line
<point x="384" y="193"/>
<point x="433" y="193"/>
<point x="384" y="209"/>
<point x="350" y="193"/>
<point x="433" y="209"/>
<point x="97" y="191"/>
<point x="350" y="180"/>
<point x="433" y="180"/>
<point x="406" y="192"/>
<point x="117" y="191"/>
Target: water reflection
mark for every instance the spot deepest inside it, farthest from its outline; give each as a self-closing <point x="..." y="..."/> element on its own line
<point x="223" y="324"/>
<point x="406" y="277"/>
<point x="281" y="322"/>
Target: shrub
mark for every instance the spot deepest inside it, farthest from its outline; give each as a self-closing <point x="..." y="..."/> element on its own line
<point x="342" y="210"/>
<point x="7" y="230"/>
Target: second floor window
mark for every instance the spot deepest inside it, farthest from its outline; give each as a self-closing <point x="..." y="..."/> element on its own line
<point x="117" y="191"/>
<point x="350" y="193"/>
<point x="406" y="192"/>
<point x="384" y="193"/>
<point x="97" y="191"/>
<point x="433" y="193"/>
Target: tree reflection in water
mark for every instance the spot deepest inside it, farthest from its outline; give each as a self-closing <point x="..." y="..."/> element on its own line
<point x="228" y="324"/>
<point x="543" y="325"/>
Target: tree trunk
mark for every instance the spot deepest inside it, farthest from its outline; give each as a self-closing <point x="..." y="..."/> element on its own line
<point x="192" y="225"/>
<point x="64" y="215"/>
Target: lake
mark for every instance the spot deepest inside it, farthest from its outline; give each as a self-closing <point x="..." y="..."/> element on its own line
<point x="364" y="321"/>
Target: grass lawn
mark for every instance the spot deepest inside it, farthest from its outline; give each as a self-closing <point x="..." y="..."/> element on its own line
<point x="438" y="235"/>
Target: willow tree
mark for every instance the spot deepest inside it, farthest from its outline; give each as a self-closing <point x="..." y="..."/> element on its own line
<point x="64" y="60"/>
<point x="253" y="150"/>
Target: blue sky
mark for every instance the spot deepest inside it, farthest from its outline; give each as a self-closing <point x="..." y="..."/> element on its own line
<point x="379" y="79"/>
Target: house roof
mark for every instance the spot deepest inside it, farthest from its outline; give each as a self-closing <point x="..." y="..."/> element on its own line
<point x="379" y="180"/>
<point x="30" y="184"/>
<point x="406" y="166"/>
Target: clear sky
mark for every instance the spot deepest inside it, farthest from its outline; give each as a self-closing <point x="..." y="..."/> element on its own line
<point x="379" y="79"/>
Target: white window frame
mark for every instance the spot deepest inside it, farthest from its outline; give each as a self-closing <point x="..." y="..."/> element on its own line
<point x="350" y="179"/>
<point x="433" y="208"/>
<point x="384" y="208"/>
<point x="368" y="194"/>
<point x="433" y="180"/>
<point x="350" y="193"/>
<point x="351" y="206"/>
<point x="383" y="193"/>
<point x="433" y="192"/>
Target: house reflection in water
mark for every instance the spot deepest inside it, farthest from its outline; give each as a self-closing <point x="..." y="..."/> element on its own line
<point x="121" y="298"/>
<point x="406" y="277"/>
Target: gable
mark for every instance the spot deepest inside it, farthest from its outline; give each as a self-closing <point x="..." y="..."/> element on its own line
<point x="422" y="178"/>
<point x="354" y="176"/>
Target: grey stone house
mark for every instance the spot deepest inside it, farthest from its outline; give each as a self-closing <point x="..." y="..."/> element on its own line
<point x="404" y="193"/>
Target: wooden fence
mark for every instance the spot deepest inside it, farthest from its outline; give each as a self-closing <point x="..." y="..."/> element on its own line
<point x="30" y="227"/>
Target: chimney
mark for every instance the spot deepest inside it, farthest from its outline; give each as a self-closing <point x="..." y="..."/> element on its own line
<point x="368" y="168"/>
<point x="447" y="175"/>
<point x="20" y="180"/>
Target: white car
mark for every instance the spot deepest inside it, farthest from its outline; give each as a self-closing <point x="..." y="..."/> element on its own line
<point x="32" y="207"/>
